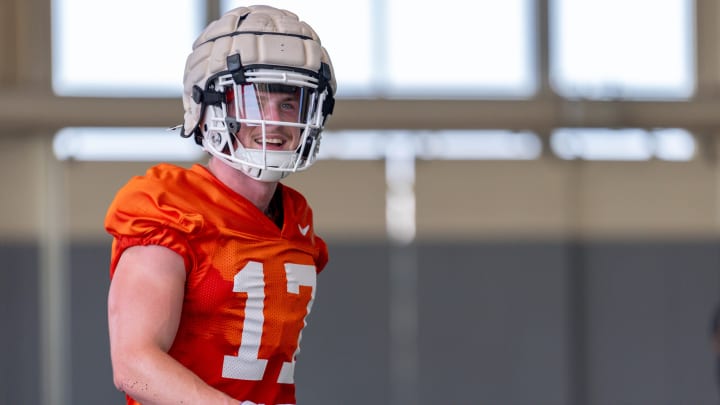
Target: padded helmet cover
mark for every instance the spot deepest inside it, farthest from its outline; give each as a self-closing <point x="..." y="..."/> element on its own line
<point x="261" y="35"/>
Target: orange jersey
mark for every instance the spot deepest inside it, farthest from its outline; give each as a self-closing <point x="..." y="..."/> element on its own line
<point x="249" y="287"/>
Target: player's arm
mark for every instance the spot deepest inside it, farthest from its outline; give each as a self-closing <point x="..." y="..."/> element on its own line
<point x="144" y="306"/>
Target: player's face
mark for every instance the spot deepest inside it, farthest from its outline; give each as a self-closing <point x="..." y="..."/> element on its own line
<point x="273" y="107"/>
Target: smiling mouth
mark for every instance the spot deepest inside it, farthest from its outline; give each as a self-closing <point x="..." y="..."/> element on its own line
<point x="271" y="143"/>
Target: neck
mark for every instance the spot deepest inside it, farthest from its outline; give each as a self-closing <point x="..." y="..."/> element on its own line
<point x="258" y="192"/>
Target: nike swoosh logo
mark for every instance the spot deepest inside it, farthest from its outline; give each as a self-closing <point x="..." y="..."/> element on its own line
<point x="304" y="229"/>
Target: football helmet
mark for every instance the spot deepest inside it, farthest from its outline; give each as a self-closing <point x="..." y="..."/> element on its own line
<point x="258" y="88"/>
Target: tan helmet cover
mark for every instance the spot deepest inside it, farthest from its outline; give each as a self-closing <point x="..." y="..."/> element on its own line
<point x="247" y="31"/>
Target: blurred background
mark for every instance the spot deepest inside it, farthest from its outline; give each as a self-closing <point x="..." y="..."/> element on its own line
<point x="521" y="197"/>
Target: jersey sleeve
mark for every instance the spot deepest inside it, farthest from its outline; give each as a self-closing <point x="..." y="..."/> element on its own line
<point x="143" y="214"/>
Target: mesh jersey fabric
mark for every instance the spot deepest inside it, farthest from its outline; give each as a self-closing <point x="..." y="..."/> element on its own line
<point x="249" y="285"/>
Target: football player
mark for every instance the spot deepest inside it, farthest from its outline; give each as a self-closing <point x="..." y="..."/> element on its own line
<point x="213" y="268"/>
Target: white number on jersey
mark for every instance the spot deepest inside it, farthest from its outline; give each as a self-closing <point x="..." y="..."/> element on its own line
<point x="251" y="280"/>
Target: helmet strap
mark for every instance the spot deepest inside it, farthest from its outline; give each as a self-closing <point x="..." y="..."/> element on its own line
<point x="235" y="68"/>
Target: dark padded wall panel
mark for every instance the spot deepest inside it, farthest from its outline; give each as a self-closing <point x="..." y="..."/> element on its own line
<point x="92" y="373"/>
<point x="19" y="317"/>
<point x="499" y="323"/>
<point x="648" y="315"/>
<point x="493" y="326"/>
<point x="344" y="358"/>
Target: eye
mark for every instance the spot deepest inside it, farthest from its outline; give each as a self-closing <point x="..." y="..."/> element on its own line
<point x="288" y="106"/>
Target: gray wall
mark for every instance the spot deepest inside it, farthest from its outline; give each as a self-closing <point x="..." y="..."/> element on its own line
<point x="515" y="322"/>
<point x="19" y="317"/>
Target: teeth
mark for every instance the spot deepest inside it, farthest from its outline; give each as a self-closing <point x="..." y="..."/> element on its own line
<point x="271" y="141"/>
